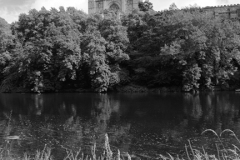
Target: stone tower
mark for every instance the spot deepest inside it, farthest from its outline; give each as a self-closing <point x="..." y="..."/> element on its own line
<point x="121" y="6"/>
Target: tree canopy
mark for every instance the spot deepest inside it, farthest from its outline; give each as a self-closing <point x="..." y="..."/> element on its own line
<point x="62" y="49"/>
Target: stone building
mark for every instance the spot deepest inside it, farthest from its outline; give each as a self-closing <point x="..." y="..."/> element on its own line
<point x="225" y="11"/>
<point x="127" y="6"/>
<point x="120" y="6"/>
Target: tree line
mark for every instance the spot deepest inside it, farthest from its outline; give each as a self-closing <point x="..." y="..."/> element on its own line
<point x="59" y="49"/>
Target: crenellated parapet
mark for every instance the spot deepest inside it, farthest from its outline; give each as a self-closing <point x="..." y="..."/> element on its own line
<point x="224" y="11"/>
<point x="127" y="6"/>
<point x="222" y="6"/>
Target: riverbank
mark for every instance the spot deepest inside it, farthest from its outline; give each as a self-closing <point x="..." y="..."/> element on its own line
<point x="131" y="88"/>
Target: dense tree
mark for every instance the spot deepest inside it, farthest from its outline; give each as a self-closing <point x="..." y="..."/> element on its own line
<point x="145" y="6"/>
<point x="51" y="50"/>
<point x="173" y="6"/>
<point x="60" y="49"/>
<point x="50" y="43"/>
<point x="105" y="43"/>
<point x="6" y="43"/>
<point x="182" y="47"/>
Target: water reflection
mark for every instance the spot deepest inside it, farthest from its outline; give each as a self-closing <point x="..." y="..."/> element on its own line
<point x="193" y="106"/>
<point x="213" y="110"/>
<point x="36" y="105"/>
<point x="62" y="109"/>
<point x="144" y="124"/>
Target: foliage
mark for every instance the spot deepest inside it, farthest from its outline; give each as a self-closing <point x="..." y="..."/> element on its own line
<point x="182" y="47"/>
<point x="49" y="49"/>
<point x="52" y="50"/>
<point x="6" y="41"/>
<point x="191" y="77"/>
<point x="105" y="44"/>
<point x="145" y="6"/>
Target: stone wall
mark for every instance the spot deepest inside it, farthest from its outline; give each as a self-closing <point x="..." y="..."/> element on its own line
<point x="127" y="6"/>
<point x="225" y="11"/>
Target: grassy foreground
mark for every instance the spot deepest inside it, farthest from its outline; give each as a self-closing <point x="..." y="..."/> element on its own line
<point x="191" y="153"/>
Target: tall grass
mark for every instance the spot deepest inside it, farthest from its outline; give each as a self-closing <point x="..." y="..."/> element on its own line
<point x="222" y="152"/>
<point x="45" y="154"/>
<point x="107" y="154"/>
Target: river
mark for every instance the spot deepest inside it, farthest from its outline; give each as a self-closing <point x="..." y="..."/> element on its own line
<point x="144" y="125"/>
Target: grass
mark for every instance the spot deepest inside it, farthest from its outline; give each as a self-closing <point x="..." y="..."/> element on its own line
<point x="45" y="154"/>
<point x="223" y="153"/>
<point x="192" y="153"/>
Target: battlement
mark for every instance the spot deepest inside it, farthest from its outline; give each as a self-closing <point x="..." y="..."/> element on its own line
<point x="224" y="11"/>
<point x="221" y="6"/>
<point x="127" y="6"/>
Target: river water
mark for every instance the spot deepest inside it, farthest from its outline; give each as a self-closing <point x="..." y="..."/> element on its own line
<point x="144" y="125"/>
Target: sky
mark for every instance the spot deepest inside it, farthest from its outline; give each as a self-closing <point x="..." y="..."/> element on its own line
<point x="11" y="9"/>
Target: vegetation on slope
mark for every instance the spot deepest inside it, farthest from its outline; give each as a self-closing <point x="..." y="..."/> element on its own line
<point x="54" y="50"/>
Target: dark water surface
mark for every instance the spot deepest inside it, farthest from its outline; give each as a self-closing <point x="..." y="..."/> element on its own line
<point x="145" y="125"/>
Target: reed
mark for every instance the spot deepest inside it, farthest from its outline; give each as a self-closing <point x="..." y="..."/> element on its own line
<point x="223" y="153"/>
<point x="107" y="154"/>
<point x="45" y="154"/>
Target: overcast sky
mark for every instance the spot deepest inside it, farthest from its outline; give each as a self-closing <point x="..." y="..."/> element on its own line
<point x="10" y="9"/>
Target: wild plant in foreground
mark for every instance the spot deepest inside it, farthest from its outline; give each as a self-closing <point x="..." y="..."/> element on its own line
<point x="107" y="154"/>
<point x="45" y="154"/>
<point x="8" y="128"/>
<point x="222" y="152"/>
<point x="191" y="154"/>
<point x="108" y="151"/>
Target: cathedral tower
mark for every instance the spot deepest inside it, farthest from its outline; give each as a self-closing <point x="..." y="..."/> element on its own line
<point x="121" y="6"/>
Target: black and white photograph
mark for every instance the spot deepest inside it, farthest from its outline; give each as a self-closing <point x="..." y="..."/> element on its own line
<point x="119" y="80"/>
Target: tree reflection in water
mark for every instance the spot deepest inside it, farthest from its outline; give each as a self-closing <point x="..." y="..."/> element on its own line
<point x="104" y="107"/>
<point x="36" y="107"/>
<point x="211" y="109"/>
<point x="217" y="111"/>
<point x="136" y="122"/>
<point x="192" y="106"/>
